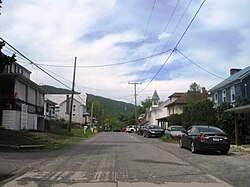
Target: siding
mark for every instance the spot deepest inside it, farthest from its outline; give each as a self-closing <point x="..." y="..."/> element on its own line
<point x="11" y="119"/>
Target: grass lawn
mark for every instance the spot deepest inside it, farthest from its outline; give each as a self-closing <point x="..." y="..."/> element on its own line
<point x="61" y="138"/>
<point x="54" y="140"/>
<point x="169" y="140"/>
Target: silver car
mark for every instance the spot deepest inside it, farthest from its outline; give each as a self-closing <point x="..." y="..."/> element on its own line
<point x="174" y="131"/>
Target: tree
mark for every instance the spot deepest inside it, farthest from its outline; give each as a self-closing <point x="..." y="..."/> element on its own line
<point x="175" y="119"/>
<point x="0" y="6"/>
<point x="225" y="120"/>
<point x="4" y="59"/>
<point x="195" y="87"/>
<point x="144" y="105"/>
<point x="197" y="113"/>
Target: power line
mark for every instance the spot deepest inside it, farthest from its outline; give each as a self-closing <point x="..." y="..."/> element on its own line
<point x="175" y="46"/>
<point x="34" y="63"/>
<point x="165" y="29"/>
<point x="199" y="65"/>
<point x="105" y="65"/>
<point x="190" y="23"/>
<point x="172" y="33"/>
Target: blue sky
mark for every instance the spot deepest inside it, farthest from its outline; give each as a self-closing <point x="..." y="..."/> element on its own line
<point x="53" y="32"/>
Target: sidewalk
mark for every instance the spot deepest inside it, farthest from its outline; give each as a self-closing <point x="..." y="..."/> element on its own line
<point x="240" y="148"/>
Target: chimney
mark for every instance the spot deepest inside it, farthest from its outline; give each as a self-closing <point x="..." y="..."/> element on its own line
<point x="204" y="93"/>
<point x="234" y="70"/>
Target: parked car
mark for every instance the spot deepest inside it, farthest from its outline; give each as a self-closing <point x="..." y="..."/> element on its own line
<point x="131" y="128"/>
<point x="141" y="130"/>
<point x="153" y="131"/>
<point x="123" y="129"/>
<point x="174" y="131"/>
<point x="205" y="138"/>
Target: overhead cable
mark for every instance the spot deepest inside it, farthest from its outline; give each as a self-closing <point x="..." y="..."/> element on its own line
<point x="175" y="46"/>
<point x="199" y="65"/>
<point x="106" y="65"/>
<point x="34" y="63"/>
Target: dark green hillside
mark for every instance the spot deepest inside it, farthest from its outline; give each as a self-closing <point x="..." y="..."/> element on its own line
<point x="115" y="114"/>
<point x="111" y="106"/>
<point x="54" y="90"/>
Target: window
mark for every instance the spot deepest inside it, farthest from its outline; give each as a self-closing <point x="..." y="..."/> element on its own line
<point x="57" y="109"/>
<point x="224" y="96"/>
<point x="232" y="94"/>
<point x="216" y="98"/>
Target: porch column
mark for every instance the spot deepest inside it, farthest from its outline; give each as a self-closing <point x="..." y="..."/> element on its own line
<point x="236" y="129"/>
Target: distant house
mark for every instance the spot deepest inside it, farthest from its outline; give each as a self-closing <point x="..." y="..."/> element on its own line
<point x="59" y="107"/>
<point x="236" y="85"/>
<point x="159" y="112"/>
<point x="21" y="100"/>
<point x="176" y="102"/>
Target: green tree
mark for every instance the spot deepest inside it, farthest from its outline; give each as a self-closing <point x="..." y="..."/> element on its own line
<point x="175" y="119"/>
<point x="200" y="112"/>
<point x="144" y="105"/>
<point x="225" y="120"/>
<point x="195" y="87"/>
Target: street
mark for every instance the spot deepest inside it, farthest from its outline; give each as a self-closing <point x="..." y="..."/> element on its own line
<point x="126" y="159"/>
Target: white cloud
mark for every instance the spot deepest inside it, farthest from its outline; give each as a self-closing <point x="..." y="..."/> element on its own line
<point x="164" y="36"/>
<point x="52" y="32"/>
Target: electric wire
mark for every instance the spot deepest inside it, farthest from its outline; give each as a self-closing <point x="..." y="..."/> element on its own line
<point x="34" y="63"/>
<point x="105" y="65"/>
<point x="200" y="66"/>
<point x="141" y="45"/>
<point x="182" y="36"/>
<point x="172" y="33"/>
<point x="158" y="42"/>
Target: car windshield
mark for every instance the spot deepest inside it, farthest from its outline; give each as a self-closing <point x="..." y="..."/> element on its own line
<point x="154" y="127"/>
<point x="209" y="129"/>
<point x="177" y="128"/>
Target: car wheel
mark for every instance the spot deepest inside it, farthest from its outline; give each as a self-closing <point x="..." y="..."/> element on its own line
<point x="193" y="150"/>
<point x="132" y="131"/>
<point x="224" y="152"/>
<point x="180" y="143"/>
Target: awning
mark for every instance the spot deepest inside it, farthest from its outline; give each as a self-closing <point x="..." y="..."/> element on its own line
<point x="240" y="109"/>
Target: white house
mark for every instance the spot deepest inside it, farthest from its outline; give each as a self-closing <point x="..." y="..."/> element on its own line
<point x="21" y="100"/>
<point x="61" y="108"/>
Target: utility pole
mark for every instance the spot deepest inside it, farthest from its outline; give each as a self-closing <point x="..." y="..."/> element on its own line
<point x="72" y="96"/>
<point x="135" y="94"/>
<point x="91" y="115"/>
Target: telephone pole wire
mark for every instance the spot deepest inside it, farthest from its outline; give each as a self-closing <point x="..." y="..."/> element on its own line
<point x="135" y="94"/>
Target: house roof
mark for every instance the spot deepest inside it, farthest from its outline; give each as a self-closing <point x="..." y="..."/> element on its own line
<point x="233" y="78"/>
<point x="180" y="101"/>
<point x="177" y="94"/>
<point x="240" y="109"/>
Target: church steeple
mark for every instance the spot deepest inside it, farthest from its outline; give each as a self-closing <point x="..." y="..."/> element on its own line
<point x="155" y="99"/>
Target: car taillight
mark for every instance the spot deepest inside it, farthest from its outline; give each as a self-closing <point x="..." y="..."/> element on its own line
<point x="202" y="138"/>
<point x="227" y="138"/>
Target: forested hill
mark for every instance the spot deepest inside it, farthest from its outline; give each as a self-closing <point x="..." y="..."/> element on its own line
<point x="111" y="106"/>
<point x="54" y="90"/>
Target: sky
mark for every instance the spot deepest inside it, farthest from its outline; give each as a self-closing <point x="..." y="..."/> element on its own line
<point x="117" y="42"/>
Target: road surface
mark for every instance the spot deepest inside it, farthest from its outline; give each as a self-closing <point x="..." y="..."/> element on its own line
<point x="118" y="159"/>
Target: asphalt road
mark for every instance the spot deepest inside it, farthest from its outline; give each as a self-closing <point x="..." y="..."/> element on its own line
<point x="124" y="159"/>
